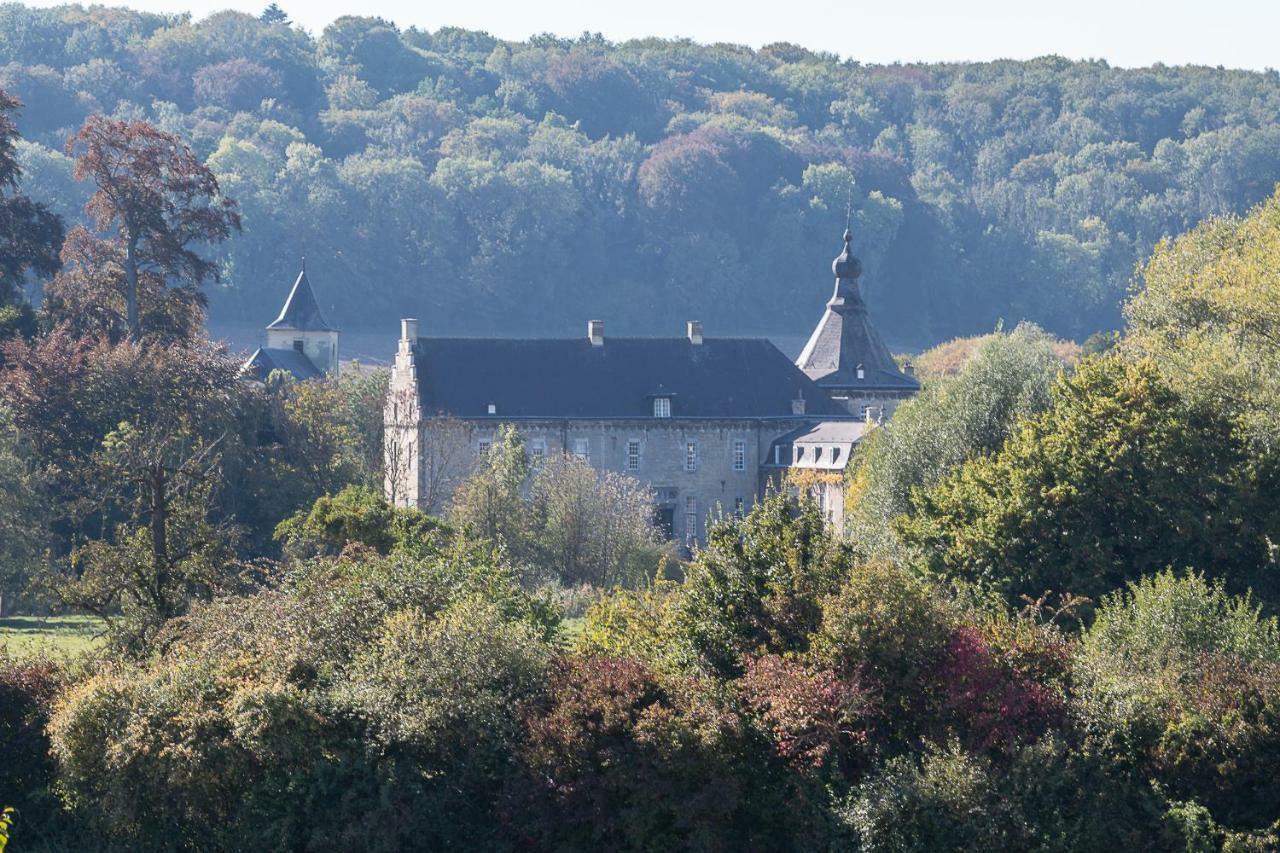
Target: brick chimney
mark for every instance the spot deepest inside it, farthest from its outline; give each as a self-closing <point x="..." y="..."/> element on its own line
<point x="595" y="332"/>
<point x="695" y="332"/>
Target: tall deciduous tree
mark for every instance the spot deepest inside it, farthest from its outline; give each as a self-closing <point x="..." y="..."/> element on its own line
<point x="157" y="197"/>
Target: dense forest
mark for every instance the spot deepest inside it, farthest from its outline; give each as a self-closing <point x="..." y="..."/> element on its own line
<point x="487" y="185"/>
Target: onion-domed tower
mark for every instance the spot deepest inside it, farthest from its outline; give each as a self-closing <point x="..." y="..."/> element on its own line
<point x="845" y="354"/>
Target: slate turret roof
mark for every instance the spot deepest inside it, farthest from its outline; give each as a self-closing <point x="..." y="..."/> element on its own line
<point x="845" y="340"/>
<point x="266" y="359"/>
<point x="301" y="311"/>
<point x="571" y="378"/>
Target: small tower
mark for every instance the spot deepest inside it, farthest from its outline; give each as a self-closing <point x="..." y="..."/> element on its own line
<point x="845" y="354"/>
<point x="301" y="328"/>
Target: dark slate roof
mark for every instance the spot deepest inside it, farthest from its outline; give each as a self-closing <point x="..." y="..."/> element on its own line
<point x="300" y="310"/>
<point x="266" y="359"/>
<point x="569" y="378"/>
<point x="845" y="339"/>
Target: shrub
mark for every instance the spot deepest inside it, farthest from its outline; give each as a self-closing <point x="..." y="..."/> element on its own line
<point x="1182" y="681"/>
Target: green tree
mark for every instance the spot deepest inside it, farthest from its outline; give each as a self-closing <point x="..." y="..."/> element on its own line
<point x="1208" y="314"/>
<point x="489" y="504"/>
<point x="759" y="583"/>
<point x="1005" y="378"/>
<point x="24" y="513"/>
<point x="29" y="231"/>
<point x="1119" y="479"/>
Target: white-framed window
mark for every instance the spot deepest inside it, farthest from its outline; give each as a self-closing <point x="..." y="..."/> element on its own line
<point x="835" y="454"/>
<point x="862" y="374"/>
<point x="739" y="455"/>
<point x="582" y="449"/>
<point x="817" y="455"/>
<point x="690" y="517"/>
<point x="662" y="407"/>
<point x="739" y="507"/>
<point x="691" y="456"/>
<point x="862" y="412"/>
<point x="538" y="451"/>
<point x="799" y="453"/>
<point x="633" y="455"/>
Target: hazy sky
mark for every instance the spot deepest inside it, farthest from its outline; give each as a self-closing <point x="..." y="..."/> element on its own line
<point x="1234" y="33"/>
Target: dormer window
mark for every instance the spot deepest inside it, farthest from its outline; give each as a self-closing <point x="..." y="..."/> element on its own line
<point x="862" y="374"/>
<point x="662" y="407"/>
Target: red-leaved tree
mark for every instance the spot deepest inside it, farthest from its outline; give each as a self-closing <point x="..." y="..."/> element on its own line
<point x="158" y="199"/>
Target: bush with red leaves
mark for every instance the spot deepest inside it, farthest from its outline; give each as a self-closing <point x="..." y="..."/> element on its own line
<point x="816" y="718"/>
<point x="990" y="702"/>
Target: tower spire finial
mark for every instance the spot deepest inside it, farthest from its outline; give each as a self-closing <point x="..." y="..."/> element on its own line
<point x="848" y="215"/>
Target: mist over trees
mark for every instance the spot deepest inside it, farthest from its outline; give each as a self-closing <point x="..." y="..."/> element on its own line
<point x="487" y="184"/>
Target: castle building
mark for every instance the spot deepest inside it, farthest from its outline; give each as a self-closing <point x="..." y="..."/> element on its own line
<point x="708" y="423"/>
<point x="299" y="341"/>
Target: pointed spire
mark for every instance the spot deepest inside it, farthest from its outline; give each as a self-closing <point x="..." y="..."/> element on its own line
<point x="301" y="311"/>
<point x="845" y="351"/>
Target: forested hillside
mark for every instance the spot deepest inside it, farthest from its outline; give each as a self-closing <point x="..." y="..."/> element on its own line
<point x="520" y="187"/>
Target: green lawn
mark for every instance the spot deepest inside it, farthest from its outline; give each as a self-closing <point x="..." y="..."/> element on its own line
<point x="570" y="629"/>
<point x="25" y="635"/>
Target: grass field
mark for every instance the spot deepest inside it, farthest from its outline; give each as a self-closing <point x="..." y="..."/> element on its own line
<point x="27" y="635"/>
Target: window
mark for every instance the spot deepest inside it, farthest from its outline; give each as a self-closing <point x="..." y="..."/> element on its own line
<point x="691" y="456"/>
<point x="538" y="451"/>
<point x="739" y="455"/>
<point x="799" y="454"/>
<point x="297" y="346"/>
<point x="862" y="374"/>
<point x="582" y="449"/>
<point x="662" y="407"/>
<point x="835" y="454"/>
<point x="633" y="455"/>
<point x="493" y="408"/>
<point x="690" y="518"/>
<point x="862" y="413"/>
<point x="817" y="455"/>
<point x="484" y="446"/>
<point x="739" y="507"/>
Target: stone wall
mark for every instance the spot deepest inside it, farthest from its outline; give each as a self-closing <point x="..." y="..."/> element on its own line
<point x="714" y="484"/>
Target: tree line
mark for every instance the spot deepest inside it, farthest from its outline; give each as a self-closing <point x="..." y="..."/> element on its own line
<point x="485" y="184"/>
